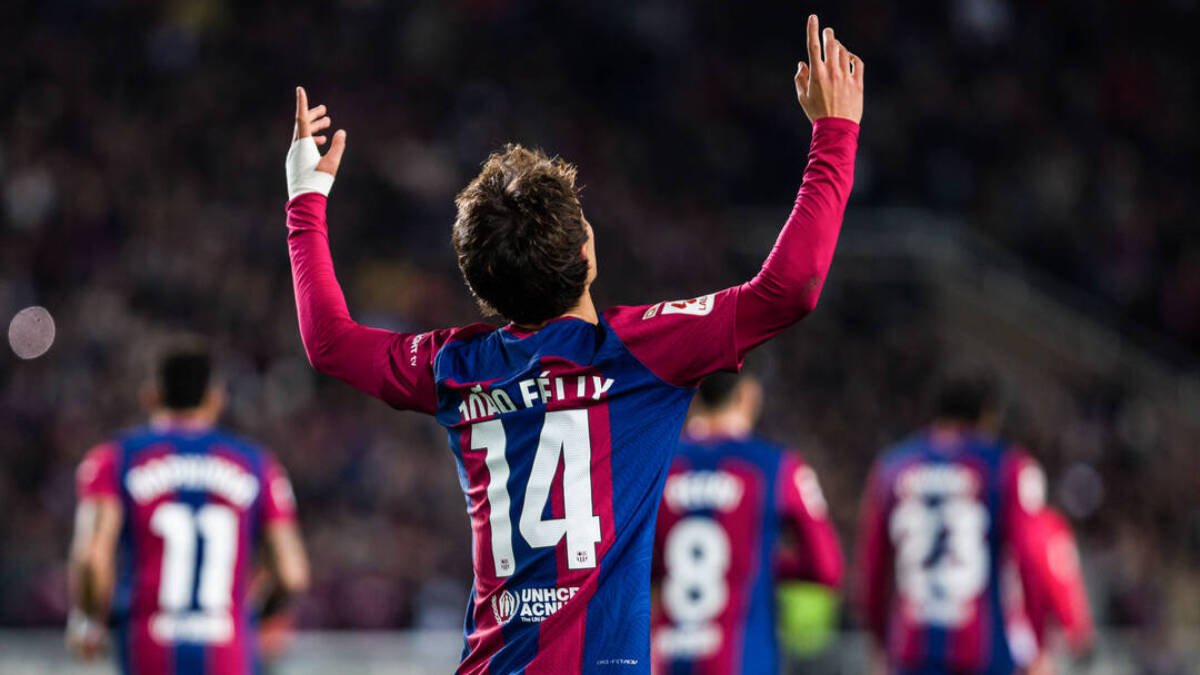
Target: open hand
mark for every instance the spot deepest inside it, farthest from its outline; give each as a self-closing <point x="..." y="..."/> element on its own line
<point x="830" y="84"/>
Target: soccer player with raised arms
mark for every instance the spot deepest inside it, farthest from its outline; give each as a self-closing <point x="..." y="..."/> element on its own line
<point x="564" y="421"/>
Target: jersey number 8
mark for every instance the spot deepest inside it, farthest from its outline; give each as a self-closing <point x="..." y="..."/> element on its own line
<point x="696" y="557"/>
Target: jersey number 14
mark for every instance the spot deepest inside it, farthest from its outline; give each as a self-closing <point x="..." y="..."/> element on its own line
<point x="565" y="437"/>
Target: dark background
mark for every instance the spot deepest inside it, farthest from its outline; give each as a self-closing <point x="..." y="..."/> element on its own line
<point x="141" y="168"/>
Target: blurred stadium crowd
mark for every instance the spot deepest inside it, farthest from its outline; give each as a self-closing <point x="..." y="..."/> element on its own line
<point x="141" y="177"/>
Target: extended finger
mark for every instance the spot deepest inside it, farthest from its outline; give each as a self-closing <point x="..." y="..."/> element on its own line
<point x="318" y="125"/>
<point x="830" y="45"/>
<point x="301" y="110"/>
<point x="316" y="113"/>
<point x="814" y="40"/>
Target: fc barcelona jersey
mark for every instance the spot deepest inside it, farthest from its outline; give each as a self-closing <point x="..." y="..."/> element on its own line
<point x="738" y="515"/>
<point x="194" y="502"/>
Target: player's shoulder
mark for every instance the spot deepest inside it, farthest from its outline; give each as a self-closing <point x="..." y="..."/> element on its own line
<point x="250" y="453"/>
<point x="895" y="458"/>
<point x="448" y="340"/>
<point x="620" y="316"/>
<point x="465" y="334"/>
<point x="775" y="448"/>
<point x="239" y="442"/>
<point x="1024" y="474"/>
<point x="98" y="458"/>
<point x="135" y="436"/>
<point x="1014" y="452"/>
<point x="1007" y="458"/>
<point x="126" y="443"/>
<point x="905" y="450"/>
<point x="768" y="452"/>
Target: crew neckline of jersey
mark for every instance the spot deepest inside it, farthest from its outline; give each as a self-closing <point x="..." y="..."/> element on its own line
<point x="519" y="332"/>
<point x="715" y="439"/>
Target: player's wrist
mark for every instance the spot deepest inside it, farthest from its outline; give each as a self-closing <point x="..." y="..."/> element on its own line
<point x="301" y="169"/>
<point x="81" y="625"/>
<point x="836" y="122"/>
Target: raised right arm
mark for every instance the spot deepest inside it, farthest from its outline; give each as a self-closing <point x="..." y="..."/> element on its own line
<point x="394" y="367"/>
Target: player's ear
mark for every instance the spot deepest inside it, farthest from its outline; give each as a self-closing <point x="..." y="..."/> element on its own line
<point x="589" y="251"/>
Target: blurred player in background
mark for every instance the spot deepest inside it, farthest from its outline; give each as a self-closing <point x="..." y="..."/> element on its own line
<point x="740" y="516"/>
<point x="563" y="423"/>
<point x="946" y="556"/>
<point x="166" y="530"/>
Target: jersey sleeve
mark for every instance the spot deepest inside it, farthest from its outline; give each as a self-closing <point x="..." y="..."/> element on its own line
<point x="96" y="477"/>
<point x="279" y="502"/>
<point x="1023" y="503"/>
<point x="875" y="565"/>
<point x="1067" y="596"/>
<point x="682" y="341"/>
<point x="394" y="367"/>
<point x="812" y="552"/>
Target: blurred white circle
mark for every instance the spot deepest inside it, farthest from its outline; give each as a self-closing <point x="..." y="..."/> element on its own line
<point x="31" y="332"/>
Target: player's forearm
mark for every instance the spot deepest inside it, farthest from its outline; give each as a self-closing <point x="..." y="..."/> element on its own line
<point x="815" y="556"/>
<point x="88" y="584"/>
<point x="790" y="282"/>
<point x="334" y="343"/>
<point x="827" y="566"/>
<point x="77" y="587"/>
<point x="89" y="587"/>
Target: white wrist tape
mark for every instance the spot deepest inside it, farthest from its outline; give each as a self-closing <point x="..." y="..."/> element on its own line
<point x="302" y="174"/>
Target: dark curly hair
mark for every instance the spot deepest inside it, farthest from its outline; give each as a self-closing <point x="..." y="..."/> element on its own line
<point x="519" y="234"/>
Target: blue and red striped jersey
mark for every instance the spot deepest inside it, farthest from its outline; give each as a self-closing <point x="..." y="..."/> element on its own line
<point x="563" y="435"/>
<point x="738" y="515"/>
<point x="947" y="563"/>
<point x="193" y="505"/>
